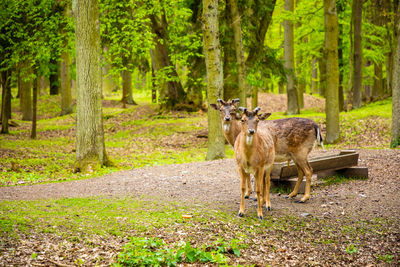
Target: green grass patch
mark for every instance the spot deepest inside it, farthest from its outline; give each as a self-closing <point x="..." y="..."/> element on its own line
<point x="339" y="179"/>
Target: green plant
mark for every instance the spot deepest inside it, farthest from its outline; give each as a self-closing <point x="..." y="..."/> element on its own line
<point x="155" y="252"/>
<point x="351" y="249"/>
<point x="386" y="258"/>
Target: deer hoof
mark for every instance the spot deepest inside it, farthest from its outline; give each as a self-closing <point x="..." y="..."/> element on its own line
<point x="268" y="208"/>
<point x="300" y="201"/>
<point x="240" y="214"/>
<point x="261" y="218"/>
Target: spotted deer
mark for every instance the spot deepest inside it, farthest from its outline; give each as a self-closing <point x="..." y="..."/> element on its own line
<point x="296" y="137"/>
<point x="255" y="154"/>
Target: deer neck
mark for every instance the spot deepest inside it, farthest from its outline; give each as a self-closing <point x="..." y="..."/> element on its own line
<point x="231" y="131"/>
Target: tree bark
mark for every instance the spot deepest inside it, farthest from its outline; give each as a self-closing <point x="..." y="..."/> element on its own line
<point x="237" y="32"/>
<point x="395" y="137"/>
<point x="332" y="84"/>
<point x="291" y="90"/>
<point x="90" y="147"/>
<point x="378" y="89"/>
<point x="216" y="141"/>
<point x="34" y="106"/>
<point x="254" y="97"/>
<point x="65" y="78"/>
<point x="6" y="100"/>
<point x="171" y="93"/>
<point x="357" y="9"/>
<point x="322" y="74"/>
<point x="340" y="9"/>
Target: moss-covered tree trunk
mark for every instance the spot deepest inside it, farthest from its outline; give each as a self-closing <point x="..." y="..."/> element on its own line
<point x="171" y="92"/>
<point x="65" y="84"/>
<point x="54" y="76"/>
<point x="216" y="141"/>
<point x="237" y="32"/>
<point x="90" y="147"/>
<point x="127" y="85"/>
<point x="395" y="139"/>
<point x="357" y="60"/>
<point x="34" y="105"/>
<point x="314" y="77"/>
<point x="322" y="73"/>
<point x="332" y="72"/>
<point x="292" y="96"/>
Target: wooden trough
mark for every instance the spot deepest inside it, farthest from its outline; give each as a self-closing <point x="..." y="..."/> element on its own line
<point x="343" y="164"/>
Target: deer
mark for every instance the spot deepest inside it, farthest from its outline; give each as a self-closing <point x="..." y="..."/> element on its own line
<point x="255" y="154"/>
<point x="231" y="126"/>
<point x="296" y="138"/>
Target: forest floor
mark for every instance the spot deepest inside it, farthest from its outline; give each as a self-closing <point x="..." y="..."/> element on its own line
<point x="88" y="222"/>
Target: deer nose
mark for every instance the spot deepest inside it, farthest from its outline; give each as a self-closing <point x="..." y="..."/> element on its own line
<point x="227" y="118"/>
<point x="251" y="131"/>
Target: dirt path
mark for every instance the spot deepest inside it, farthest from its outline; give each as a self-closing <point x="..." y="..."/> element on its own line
<point x="217" y="182"/>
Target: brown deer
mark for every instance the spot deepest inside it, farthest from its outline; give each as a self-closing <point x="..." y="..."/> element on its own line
<point x="296" y="138"/>
<point x="255" y="154"/>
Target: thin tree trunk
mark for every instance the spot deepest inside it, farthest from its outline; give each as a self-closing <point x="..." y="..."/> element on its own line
<point x="65" y="78"/>
<point x="291" y="90"/>
<point x="6" y="100"/>
<point x="322" y="74"/>
<point x="357" y="9"/>
<point x="34" y="106"/>
<point x="377" y="89"/>
<point x="349" y="98"/>
<point x="395" y="138"/>
<point x="254" y="97"/>
<point x="332" y="88"/>
<point x="314" y="77"/>
<point x="90" y="147"/>
<point x="216" y="141"/>
<point x="340" y="10"/>
<point x="237" y="32"/>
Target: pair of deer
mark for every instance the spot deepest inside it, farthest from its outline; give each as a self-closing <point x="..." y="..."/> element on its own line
<point x="258" y="146"/>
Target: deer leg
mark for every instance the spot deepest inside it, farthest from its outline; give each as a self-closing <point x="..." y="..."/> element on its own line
<point x="300" y="175"/>
<point x="248" y="183"/>
<point x="308" y="172"/>
<point x="243" y="179"/>
<point x="267" y="185"/>
<point x="259" y="176"/>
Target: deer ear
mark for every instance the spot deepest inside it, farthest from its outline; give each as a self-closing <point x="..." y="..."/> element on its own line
<point x="214" y="106"/>
<point x="264" y="116"/>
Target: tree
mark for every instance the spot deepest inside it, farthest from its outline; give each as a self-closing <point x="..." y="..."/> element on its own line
<point x="216" y="141"/>
<point x="332" y="72"/>
<point x="395" y="139"/>
<point x="65" y="76"/>
<point x="90" y="147"/>
<point x="357" y="76"/>
<point x="292" y="97"/>
<point x="237" y="32"/>
<point x="25" y="88"/>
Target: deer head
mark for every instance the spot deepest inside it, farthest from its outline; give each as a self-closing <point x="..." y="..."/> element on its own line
<point x="227" y="111"/>
<point x="250" y="120"/>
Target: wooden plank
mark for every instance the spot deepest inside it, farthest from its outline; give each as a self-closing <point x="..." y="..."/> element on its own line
<point x="332" y="162"/>
<point x="351" y="172"/>
<point x="291" y="182"/>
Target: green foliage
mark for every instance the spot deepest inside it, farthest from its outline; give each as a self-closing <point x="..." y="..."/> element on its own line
<point x="155" y="252"/>
<point x="386" y="258"/>
<point x="351" y="249"/>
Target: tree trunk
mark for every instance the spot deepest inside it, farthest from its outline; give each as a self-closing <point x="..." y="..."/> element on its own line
<point x="6" y="100"/>
<point x="194" y="87"/>
<point x="65" y="78"/>
<point x="340" y="9"/>
<point x="357" y="9"/>
<point x="254" y="97"/>
<point x="26" y="95"/>
<point x="389" y="54"/>
<point x="54" y="77"/>
<point x="349" y="99"/>
<point x="322" y="74"/>
<point x="395" y="138"/>
<point x="216" y="141"/>
<point x="34" y="106"/>
<point x="314" y="77"/>
<point x="332" y="78"/>
<point x="291" y="90"/>
<point x="171" y="93"/>
<point x="90" y="147"/>
<point x="127" y="88"/>
<point x="378" y="19"/>
<point x="237" y="32"/>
